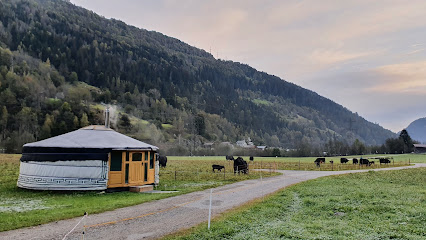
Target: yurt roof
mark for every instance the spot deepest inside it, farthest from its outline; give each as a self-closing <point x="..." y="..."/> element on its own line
<point x="92" y="137"/>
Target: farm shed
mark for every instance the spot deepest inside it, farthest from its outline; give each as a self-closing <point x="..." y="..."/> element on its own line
<point x="91" y="158"/>
<point x="419" y="148"/>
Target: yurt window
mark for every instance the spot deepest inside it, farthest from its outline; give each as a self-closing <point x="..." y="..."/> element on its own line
<point x="116" y="161"/>
<point x="151" y="160"/>
<point x="137" y="157"/>
<point x="146" y="173"/>
<point x="126" y="175"/>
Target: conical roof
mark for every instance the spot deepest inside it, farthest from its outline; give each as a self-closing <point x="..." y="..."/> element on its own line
<point x="94" y="136"/>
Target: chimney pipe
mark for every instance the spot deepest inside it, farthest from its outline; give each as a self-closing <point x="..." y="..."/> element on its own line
<point x="107" y="117"/>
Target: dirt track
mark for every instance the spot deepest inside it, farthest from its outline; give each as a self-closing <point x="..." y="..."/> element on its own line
<point x="158" y="218"/>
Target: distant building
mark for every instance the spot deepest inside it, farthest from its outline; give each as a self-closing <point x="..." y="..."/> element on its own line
<point x="261" y="147"/>
<point x="245" y="144"/>
<point x="419" y="148"/>
<point x="242" y="143"/>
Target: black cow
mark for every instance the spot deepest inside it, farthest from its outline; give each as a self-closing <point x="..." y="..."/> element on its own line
<point x="331" y="162"/>
<point x="318" y="161"/>
<point x="217" y="167"/>
<point x="251" y="158"/>
<point x="162" y="160"/>
<point x="384" y="161"/>
<point x="364" y="161"/>
<point x="230" y="158"/>
<point x="371" y="163"/>
<point x="344" y="160"/>
<point x="355" y="161"/>
<point x="240" y="166"/>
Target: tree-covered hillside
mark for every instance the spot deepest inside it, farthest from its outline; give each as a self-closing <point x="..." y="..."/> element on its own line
<point x="184" y="95"/>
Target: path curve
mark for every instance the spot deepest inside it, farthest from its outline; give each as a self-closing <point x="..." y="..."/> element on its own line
<point x="158" y="218"/>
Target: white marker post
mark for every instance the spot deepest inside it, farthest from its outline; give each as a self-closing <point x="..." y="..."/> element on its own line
<point x="210" y="209"/>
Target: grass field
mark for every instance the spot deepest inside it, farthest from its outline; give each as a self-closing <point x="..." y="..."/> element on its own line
<point x="372" y="205"/>
<point x="398" y="158"/>
<point x="307" y="163"/>
<point x="21" y="208"/>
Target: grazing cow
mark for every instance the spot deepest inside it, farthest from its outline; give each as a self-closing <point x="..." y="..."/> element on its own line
<point x="230" y="158"/>
<point x="331" y="162"/>
<point x="364" y="161"/>
<point x="355" y="161"/>
<point x="162" y="160"/>
<point x="240" y="166"/>
<point x="344" y="160"/>
<point x="251" y="158"/>
<point x="318" y="161"/>
<point x="384" y="161"/>
<point x="217" y="167"/>
<point x="371" y="163"/>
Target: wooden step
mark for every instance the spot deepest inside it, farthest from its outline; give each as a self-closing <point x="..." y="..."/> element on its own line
<point x="143" y="188"/>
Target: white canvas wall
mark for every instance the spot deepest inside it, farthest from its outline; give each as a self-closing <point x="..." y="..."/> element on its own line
<point x="64" y="175"/>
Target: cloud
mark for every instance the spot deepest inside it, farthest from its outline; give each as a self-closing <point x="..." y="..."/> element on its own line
<point x="333" y="56"/>
<point x="403" y="77"/>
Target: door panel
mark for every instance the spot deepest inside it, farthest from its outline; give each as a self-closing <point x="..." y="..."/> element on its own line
<point x="115" y="173"/>
<point x="136" y="168"/>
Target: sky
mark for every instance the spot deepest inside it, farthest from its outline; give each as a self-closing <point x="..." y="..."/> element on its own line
<point x="368" y="56"/>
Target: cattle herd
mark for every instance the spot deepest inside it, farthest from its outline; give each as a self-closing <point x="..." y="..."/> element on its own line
<point x="361" y="161"/>
<point x="241" y="166"/>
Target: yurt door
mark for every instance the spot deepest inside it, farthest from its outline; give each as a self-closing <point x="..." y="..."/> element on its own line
<point x="116" y="177"/>
<point x="136" y="168"/>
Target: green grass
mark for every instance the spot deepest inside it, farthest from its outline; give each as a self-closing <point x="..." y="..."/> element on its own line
<point x="398" y="158"/>
<point x="23" y="208"/>
<point x="372" y="205"/>
<point x="167" y="126"/>
<point x="307" y="163"/>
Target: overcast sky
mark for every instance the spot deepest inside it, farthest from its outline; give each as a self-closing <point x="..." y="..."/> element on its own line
<point x="369" y="56"/>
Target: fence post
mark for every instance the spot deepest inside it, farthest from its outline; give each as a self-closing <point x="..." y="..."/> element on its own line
<point x="175" y="173"/>
<point x="210" y="209"/>
<point x="224" y="173"/>
<point x="331" y="166"/>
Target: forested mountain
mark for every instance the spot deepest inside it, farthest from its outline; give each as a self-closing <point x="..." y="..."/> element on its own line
<point x="417" y="130"/>
<point x="57" y="60"/>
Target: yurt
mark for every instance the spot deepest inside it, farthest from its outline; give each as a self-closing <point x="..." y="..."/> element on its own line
<point x="91" y="158"/>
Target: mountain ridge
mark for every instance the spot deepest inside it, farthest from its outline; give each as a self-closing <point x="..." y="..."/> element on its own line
<point x="163" y="80"/>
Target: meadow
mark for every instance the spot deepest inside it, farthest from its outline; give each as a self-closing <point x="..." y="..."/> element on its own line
<point x="23" y="208"/>
<point x="371" y="205"/>
<point x="307" y="163"/>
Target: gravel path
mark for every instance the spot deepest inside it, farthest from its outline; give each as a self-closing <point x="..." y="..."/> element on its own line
<point x="158" y="218"/>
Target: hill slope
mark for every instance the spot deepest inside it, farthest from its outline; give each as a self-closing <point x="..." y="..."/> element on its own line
<point x="182" y="90"/>
<point x="417" y="130"/>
